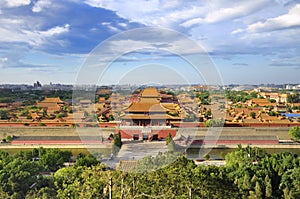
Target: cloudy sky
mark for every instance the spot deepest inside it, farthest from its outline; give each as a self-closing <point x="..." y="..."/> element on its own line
<point x="248" y="42"/>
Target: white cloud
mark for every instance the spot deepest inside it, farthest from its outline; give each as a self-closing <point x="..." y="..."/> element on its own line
<point x="151" y="13"/>
<point x="56" y="30"/>
<point x="37" y="38"/>
<point x="12" y="31"/>
<point x="124" y="25"/>
<point x="222" y="12"/>
<point x="40" y="5"/>
<point x="239" y="30"/>
<point x="235" y="11"/>
<point x="178" y="14"/>
<point x="192" y="22"/>
<point x="289" y="20"/>
<point x="3" y="59"/>
<point x="17" y="3"/>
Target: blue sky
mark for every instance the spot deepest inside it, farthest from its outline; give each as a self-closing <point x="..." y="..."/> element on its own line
<point x="249" y="42"/>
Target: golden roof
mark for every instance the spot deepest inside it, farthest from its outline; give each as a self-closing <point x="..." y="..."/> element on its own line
<point x="51" y="100"/>
<point x="146" y="107"/>
<point x="150" y="92"/>
<point x="149" y="117"/>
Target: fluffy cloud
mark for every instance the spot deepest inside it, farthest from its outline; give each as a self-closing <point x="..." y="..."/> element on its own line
<point x="17" y="3"/>
<point x="40" y="5"/>
<point x="222" y="12"/>
<point x="286" y="21"/>
<point x="151" y="13"/>
<point x="12" y="31"/>
<point x="289" y="20"/>
<point x="171" y="14"/>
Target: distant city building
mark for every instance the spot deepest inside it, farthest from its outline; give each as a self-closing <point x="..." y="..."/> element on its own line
<point x="37" y="85"/>
<point x="292" y="87"/>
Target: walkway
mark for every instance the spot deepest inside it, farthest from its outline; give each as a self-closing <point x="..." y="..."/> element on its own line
<point x="136" y="150"/>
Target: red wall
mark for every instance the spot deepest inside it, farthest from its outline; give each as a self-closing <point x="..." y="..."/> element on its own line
<point x="162" y="134"/>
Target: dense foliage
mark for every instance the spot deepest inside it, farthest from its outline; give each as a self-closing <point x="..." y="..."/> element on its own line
<point x="240" y="96"/>
<point x="249" y="173"/>
<point x="294" y="98"/>
<point x="29" y="96"/>
<point x="294" y="133"/>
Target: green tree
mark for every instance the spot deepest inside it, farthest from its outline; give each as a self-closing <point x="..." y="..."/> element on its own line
<point x="4" y="114"/>
<point x="268" y="184"/>
<point x="18" y="175"/>
<point x="172" y="146"/>
<point x="67" y="180"/>
<point x="294" y="98"/>
<point x="42" y="193"/>
<point x="87" y="161"/>
<point x="53" y="159"/>
<point x="294" y="133"/>
<point x="214" y="123"/>
<point x="117" y="143"/>
<point x="206" y="156"/>
<point x="258" y="191"/>
<point x="253" y="115"/>
<point x="169" y="139"/>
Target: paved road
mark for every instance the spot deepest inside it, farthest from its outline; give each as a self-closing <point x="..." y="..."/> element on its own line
<point x="138" y="150"/>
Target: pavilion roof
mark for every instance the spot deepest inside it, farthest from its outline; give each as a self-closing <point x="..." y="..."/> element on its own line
<point x="146" y="107"/>
<point x="52" y="100"/>
<point x="150" y="92"/>
<point x="149" y="117"/>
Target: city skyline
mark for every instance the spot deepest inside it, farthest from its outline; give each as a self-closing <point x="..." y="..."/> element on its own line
<point x="247" y="42"/>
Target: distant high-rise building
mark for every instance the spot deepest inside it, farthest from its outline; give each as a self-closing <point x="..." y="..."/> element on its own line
<point x="37" y="85"/>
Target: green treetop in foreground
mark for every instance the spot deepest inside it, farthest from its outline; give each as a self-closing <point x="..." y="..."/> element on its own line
<point x="249" y="173"/>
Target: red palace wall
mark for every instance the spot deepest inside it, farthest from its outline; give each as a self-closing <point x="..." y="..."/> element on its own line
<point x="162" y="134"/>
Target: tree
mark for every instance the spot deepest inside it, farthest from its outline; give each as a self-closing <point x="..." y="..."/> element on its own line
<point x="206" y="156"/>
<point x="294" y="133"/>
<point x="214" y="123"/>
<point x="172" y="146"/>
<point x="258" y="191"/>
<point x="3" y="114"/>
<point x="17" y="177"/>
<point x="169" y="139"/>
<point x="268" y="184"/>
<point x="294" y="98"/>
<point x="253" y="115"/>
<point x="53" y="159"/>
<point x="117" y="140"/>
<point x="87" y="161"/>
<point x="117" y="144"/>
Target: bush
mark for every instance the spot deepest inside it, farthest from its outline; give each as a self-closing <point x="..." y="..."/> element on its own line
<point x="294" y="133"/>
<point x="206" y="156"/>
<point x="8" y="138"/>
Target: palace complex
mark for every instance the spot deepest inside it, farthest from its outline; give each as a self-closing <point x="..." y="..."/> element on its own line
<point x="148" y="110"/>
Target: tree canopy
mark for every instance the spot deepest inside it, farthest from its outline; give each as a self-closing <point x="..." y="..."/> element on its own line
<point x="294" y="133"/>
<point x="248" y="173"/>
